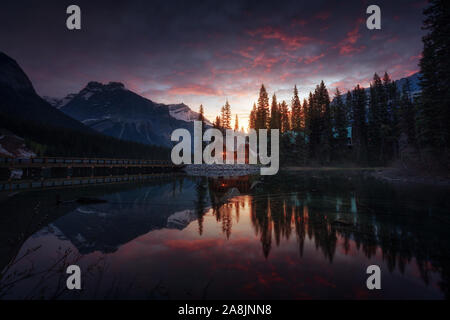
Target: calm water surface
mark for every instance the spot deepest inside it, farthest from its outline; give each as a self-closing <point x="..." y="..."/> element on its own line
<point x="292" y="236"/>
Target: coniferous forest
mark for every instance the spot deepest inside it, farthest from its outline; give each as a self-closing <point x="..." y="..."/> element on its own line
<point x="377" y="126"/>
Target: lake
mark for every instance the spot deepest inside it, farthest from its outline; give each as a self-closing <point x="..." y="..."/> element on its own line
<point x="296" y="235"/>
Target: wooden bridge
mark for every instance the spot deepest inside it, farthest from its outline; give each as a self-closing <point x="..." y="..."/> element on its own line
<point x="52" y="172"/>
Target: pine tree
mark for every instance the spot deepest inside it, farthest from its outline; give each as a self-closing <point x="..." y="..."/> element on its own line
<point x="407" y="114"/>
<point x="201" y="117"/>
<point x="296" y="112"/>
<point x="252" y="120"/>
<point x="313" y="127"/>
<point x="349" y="114"/>
<point x="326" y="134"/>
<point x="201" y="114"/>
<point x="262" y="111"/>
<point x="236" y="123"/>
<point x="359" y="102"/>
<point x="377" y="119"/>
<point x="340" y="123"/>
<point x="348" y="107"/>
<point x="274" y="114"/>
<point x="284" y="110"/>
<point x="226" y="116"/>
<point x="305" y="109"/>
<point x="218" y="123"/>
<point x="433" y="110"/>
<point x="394" y="120"/>
<point x="222" y="117"/>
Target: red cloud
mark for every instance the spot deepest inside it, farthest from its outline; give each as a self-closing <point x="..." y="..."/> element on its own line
<point x="289" y="42"/>
<point x="348" y="45"/>
<point x="322" y="15"/>
<point x="262" y="60"/>
<point x="300" y="22"/>
<point x="314" y="58"/>
<point x="194" y="89"/>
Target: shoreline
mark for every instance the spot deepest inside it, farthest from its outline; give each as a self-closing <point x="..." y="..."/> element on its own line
<point x="389" y="174"/>
<point x="400" y="176"/>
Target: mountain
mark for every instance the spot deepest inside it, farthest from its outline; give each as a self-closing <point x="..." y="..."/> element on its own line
<point x="116" y="111"/>
<point x="414" y="83"/>
<point x="58" y="103"/>
<point x="33" y="126"/>
<point x="183" y="112"/>
<point x="19" y="99"/>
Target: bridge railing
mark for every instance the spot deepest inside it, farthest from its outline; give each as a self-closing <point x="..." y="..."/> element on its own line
<point x="76" y="181"/>
<point x="70" y="160"/>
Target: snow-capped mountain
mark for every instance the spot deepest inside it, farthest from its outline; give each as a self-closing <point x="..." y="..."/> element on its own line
<point x="179" y="111"/>
<point x="414" y="83"/>
<point x="181" y="219"/>
<point x="116" y="111"/>
<point x="183" y="112"/>
<point x="59" y="103"/>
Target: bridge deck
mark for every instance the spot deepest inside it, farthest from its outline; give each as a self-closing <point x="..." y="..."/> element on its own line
<point x="24" y="185"/>
<point x="81" y="162"/>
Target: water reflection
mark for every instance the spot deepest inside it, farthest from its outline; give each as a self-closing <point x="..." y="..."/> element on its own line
<point x="283" y="237"/>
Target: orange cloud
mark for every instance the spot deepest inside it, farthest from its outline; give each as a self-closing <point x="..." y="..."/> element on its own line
<point x="348" y="45"/>
<point x="312" y="59"/>
<point x="290" y="42"/>
<point x="194" y="89"/>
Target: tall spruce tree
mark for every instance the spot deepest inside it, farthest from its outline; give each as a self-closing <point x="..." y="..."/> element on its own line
<point x="201" y="117"/>
<point x="222" y="117"/>
<point x="348" y="107"/>
<point x="326" y="134"/>
<point x="394" y="120"/>
<point x="408" y="114"/>
<point x="285" y="123"/>
<point x="340" y="124"/>
<point x="252" y="119"/>
<point x="262" y="110"/>
<point x="274" y="114"/>
<point x="313" y="128"/>
<point x="433" y="109"/>
<point x="359" y="101"/>
<point x="305" y="109"/>
<point x="226" y="116"/>
<point x="217" y="123"/>
<point x="377" y="119"/>
<point x="201" y="114"/>
<point x="296" y="112"/>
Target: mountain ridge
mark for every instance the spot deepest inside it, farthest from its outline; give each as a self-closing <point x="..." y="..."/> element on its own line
<point x="113" y="110"/>
<point x="19" y="98"/>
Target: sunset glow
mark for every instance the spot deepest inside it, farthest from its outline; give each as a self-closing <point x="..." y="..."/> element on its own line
<point x="226" y="54"/>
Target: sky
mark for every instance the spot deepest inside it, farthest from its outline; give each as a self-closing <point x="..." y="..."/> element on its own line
<point x="205" y="52"/>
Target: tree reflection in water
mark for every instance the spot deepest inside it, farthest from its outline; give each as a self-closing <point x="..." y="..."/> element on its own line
<point x="405" y="226"/>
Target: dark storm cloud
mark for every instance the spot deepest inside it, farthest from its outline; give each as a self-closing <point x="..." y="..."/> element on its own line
<point x="205" y="51"/>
